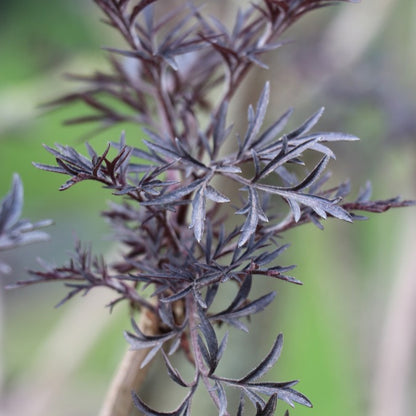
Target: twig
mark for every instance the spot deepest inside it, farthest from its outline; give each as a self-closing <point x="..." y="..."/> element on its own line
<point x="130" y="375"/>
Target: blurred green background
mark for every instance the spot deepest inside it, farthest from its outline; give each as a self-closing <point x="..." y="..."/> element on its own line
<point x="349" y="331"/>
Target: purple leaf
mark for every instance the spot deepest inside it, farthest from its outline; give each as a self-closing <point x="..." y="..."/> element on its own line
<point x="11" y="205"/>
<point x="176" y="195"/>
<point x="267" y="363"/>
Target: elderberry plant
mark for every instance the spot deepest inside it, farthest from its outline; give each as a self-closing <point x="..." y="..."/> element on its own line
<point x="176" y="78"/>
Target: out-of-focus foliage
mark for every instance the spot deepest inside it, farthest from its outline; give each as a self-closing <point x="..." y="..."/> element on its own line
<point x="14" y="231"/>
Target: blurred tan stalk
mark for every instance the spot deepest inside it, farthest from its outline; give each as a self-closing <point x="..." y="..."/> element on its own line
<point x="129" y="376"/>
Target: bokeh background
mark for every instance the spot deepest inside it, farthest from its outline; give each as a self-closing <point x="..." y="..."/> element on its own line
<point x="350" y="331"/>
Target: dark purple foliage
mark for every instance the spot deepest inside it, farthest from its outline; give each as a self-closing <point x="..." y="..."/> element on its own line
<point x="15" y="231"/>
<point x="176" y="183"/>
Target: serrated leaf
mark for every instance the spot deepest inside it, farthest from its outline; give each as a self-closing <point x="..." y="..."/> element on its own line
<point x="148" y="411"/>
<point x="173" y="372"/>
<point x="215" y="195"/>
<point x="256" y="120"/>
<point x="320" y="205"/>
<point x="255" y="398"/>
<point x="49" y="168"/>
<point x="198" y="213"/>
<point x="150" y="355"/>
<point x="313" y="175"/>
<point x="249" y="309"/>
<point x="289" y="396"/>
<point x="208" y="243"/>
<point x="256" y="61"/>
<point x="330" y="136"/>
<point x="266" y="258"/>
<point x="240" y="406"/>
<point x="186" y="155"/>
<point x="307" y="125"/>
<point x="204" y="351"/>
<point x="211" y="342"/>
<point x="178" y="295"/>
<point x="166" y="314"/>
<point x="319" y="147"/>
<point x="365" y="193"/>
<point x="273" y="130"/>
<point x="176" y="195"/>
<point x="219" y="132"/>
<point x="256" y="162"/>
<point x="139" y="8"/>
<point x="269" y="408"/>
<point x="222" y="399"/>
<point x="228" y="169"/>
<point x="158" y="148"/>
<point x="26" y="238"/>
<point x="249" y="227"/>
<point x="223" y="346"/>
<point x="343" y="190"/>
<point x="284" y="157"/>
<point x="12" y="204"/>
<point x="139" y="340"/>
<point x="198" y="296"/>
<point x="242" y="294"/>
<point x="254" y="214"/>
<point x="267" y="363"/>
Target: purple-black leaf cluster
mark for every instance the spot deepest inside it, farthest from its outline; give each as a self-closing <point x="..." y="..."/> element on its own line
<point x="178" y="184"/>
<point x="15" y="231"/>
